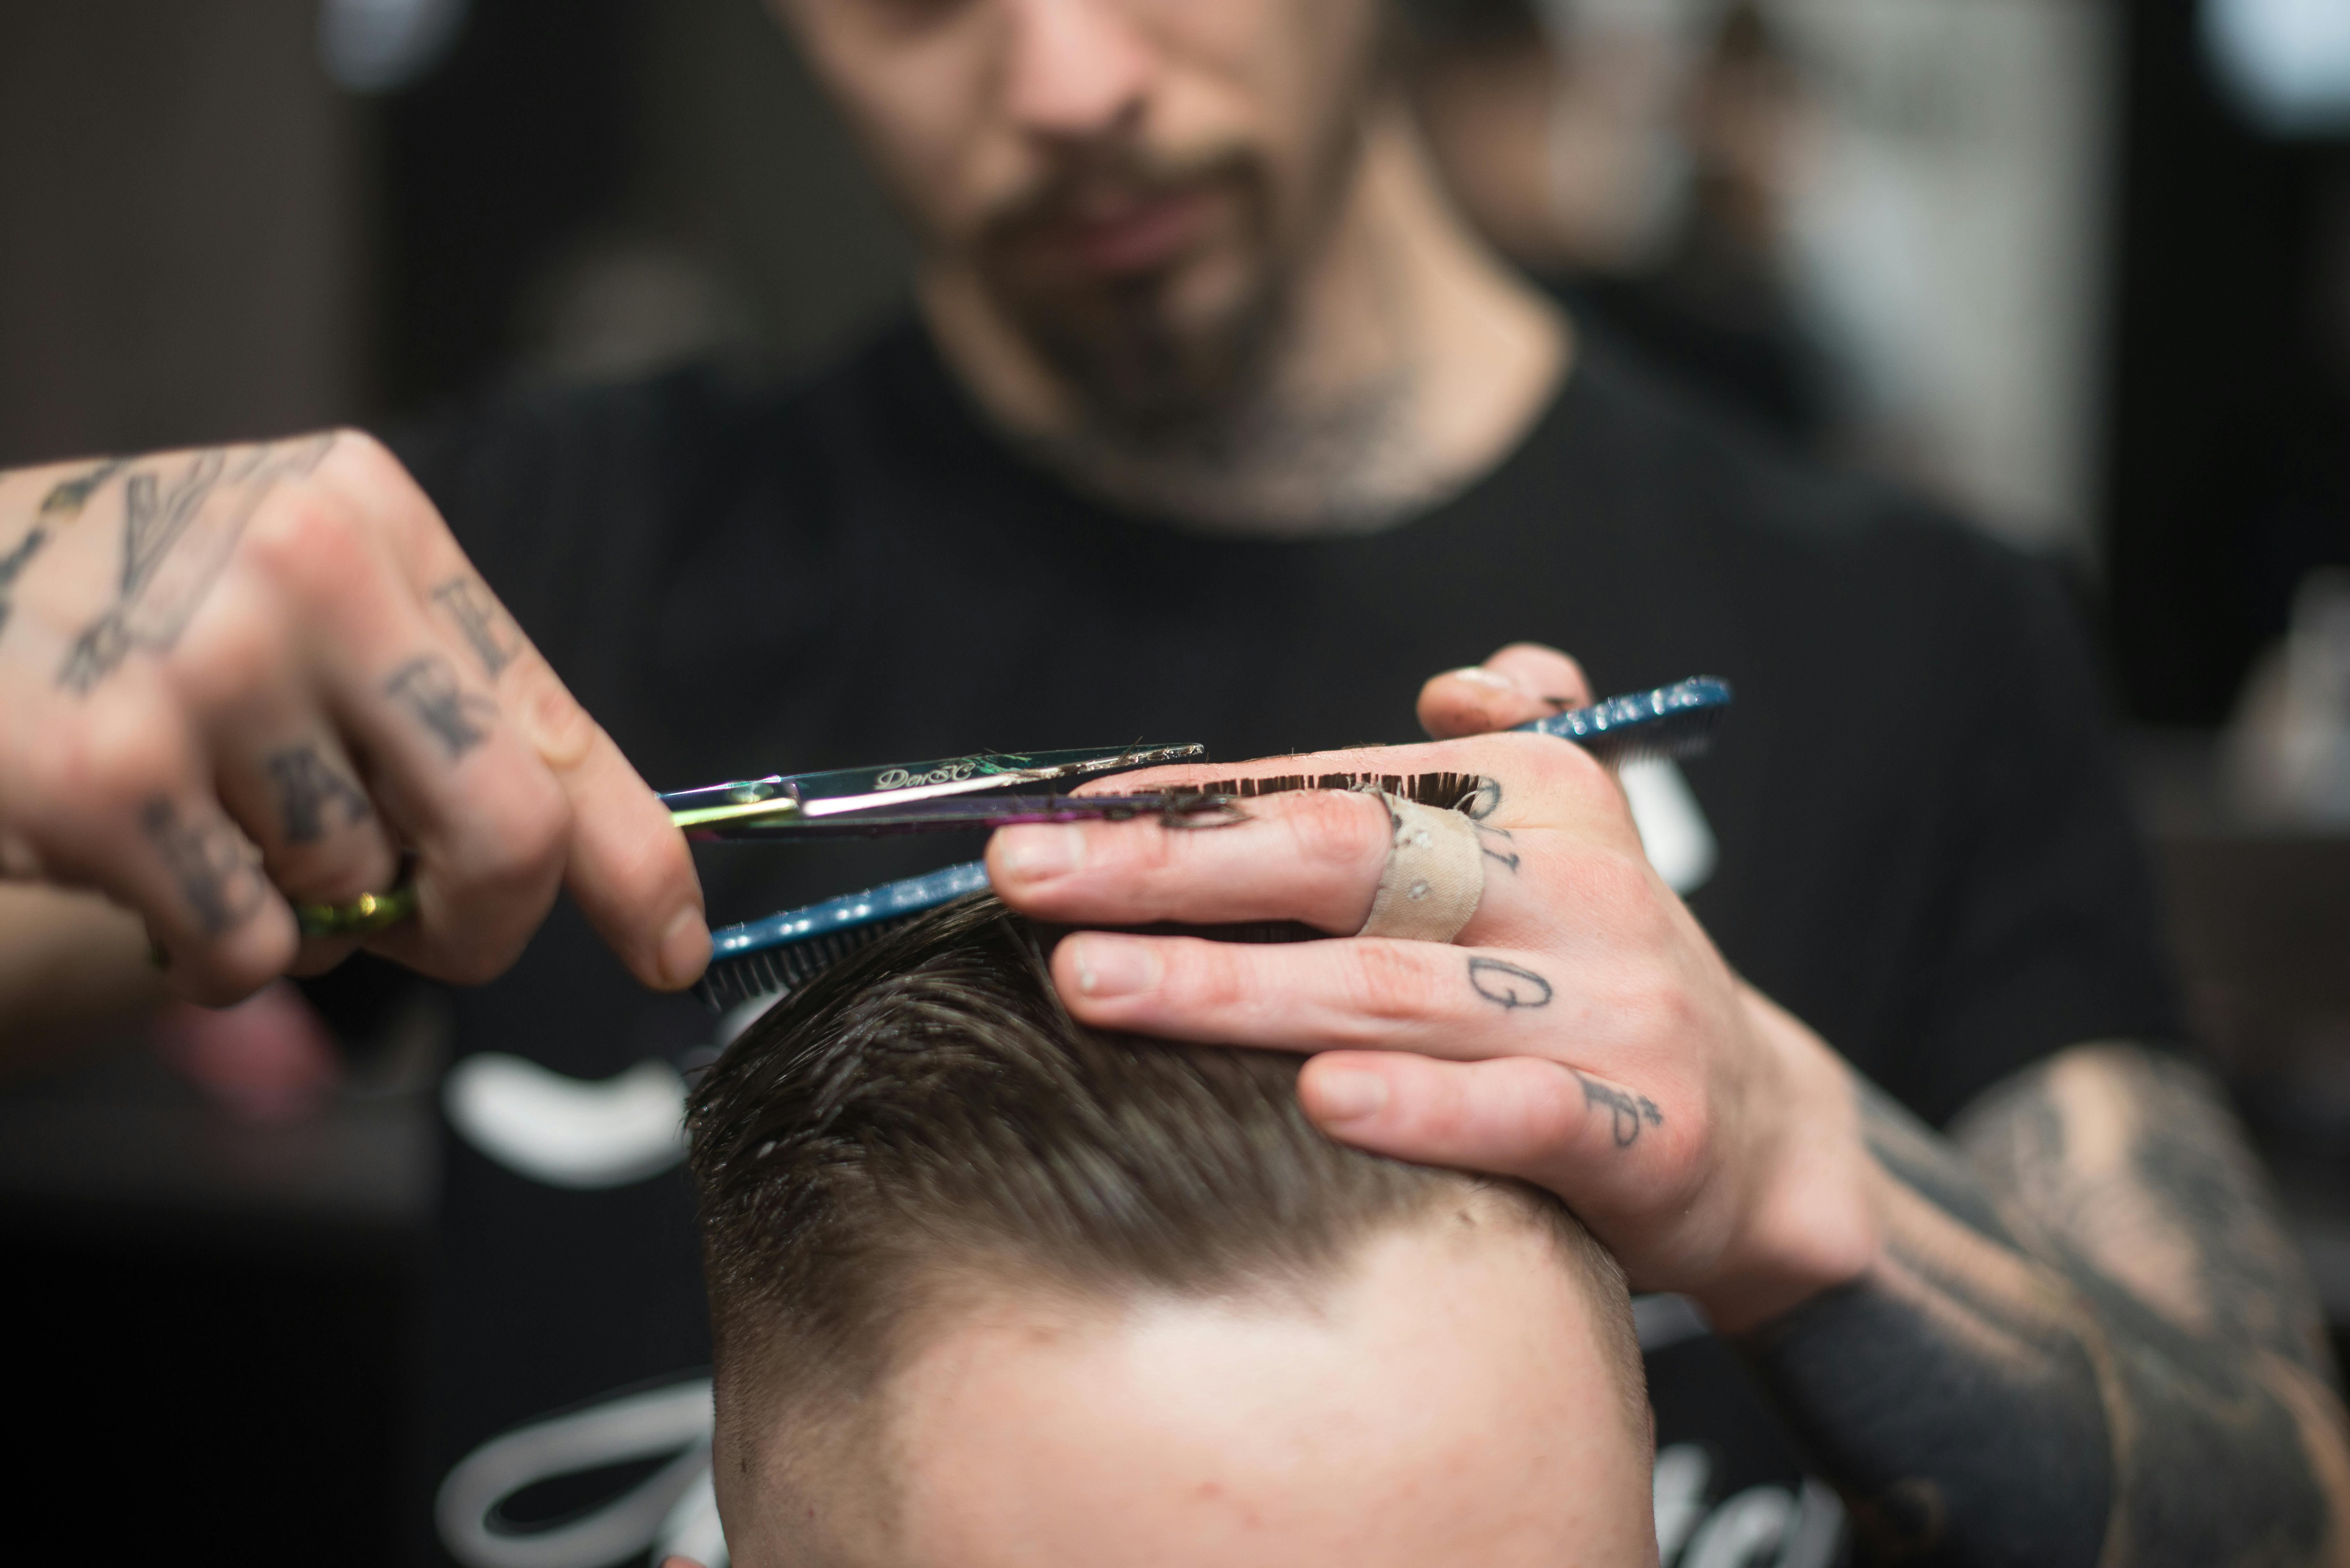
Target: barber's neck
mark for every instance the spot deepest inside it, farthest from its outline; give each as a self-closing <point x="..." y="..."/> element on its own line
<point x="1409" y="360"/>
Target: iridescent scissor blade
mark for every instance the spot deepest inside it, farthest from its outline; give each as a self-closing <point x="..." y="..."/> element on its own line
<point x="720" y="810"/>
<point x="965" y="816"/>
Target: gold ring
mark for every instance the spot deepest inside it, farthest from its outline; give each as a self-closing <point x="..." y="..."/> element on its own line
<point x="362" y="916"/>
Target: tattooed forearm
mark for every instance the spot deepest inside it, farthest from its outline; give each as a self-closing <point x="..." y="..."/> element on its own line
<point x="2184" y="1220"/>
<point x="212" y="865"/>
<point x="2088" y="1338"/>
<point x="182" y="519"/>
<point x="429" y="689"/>
<point x="309" y="790"/>
<point x="1505" y="985"/>
<point x="485" y="626"/>
<point x="1626" y="1113"/>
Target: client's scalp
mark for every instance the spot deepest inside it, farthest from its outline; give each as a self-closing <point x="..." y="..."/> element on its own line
<point x="928" y="1109"/>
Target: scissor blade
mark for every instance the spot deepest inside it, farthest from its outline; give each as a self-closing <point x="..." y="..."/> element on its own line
<point x="790" y="796"/>
<point x="999" y="811"/>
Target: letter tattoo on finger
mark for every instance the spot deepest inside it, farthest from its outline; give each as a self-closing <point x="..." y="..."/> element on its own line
<point x="308" y="788"/>
<point x="428" y="688"/>
<point x="1507" y="986"/>
<point x="216" y="870"/>
<point x="487" y="625"/>
<point x="1482" y="802"/>
<point x="1505" y="851"/>
<point x="1627" y="1115"/>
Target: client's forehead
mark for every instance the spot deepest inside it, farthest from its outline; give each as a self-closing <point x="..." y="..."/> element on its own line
<point x="1445" y="1399"/>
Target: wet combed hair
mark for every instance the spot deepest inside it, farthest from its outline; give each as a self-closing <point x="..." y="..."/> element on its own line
<point x="928" y="1111"/>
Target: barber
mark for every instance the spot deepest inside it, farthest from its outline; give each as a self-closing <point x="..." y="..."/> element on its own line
<point x="1214" y="420"/>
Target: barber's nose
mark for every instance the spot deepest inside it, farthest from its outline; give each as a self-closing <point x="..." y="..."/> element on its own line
<point x="1078" y="67"/>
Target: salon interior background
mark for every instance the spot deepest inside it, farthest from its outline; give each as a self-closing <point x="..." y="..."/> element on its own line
<point x="2082" y="266"/>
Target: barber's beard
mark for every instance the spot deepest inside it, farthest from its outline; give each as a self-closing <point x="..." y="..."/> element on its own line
<point x="1186" y="419"/>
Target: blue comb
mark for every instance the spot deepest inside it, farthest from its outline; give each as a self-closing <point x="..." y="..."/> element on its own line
<point x="787" y="950"/>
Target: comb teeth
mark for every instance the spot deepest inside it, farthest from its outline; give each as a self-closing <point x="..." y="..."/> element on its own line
<point x="1676" y="736"/>
<point x="1448" y="790"/>
<point x="732" y="981"/>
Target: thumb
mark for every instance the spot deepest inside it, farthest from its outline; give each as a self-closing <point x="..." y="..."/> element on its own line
<point x="1522" y="682"/>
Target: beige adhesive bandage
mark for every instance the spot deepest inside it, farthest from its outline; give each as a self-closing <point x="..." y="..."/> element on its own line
<point x="1435" y="874"/>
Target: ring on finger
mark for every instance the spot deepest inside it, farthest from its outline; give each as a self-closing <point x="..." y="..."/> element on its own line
<point x="361" y="917"/>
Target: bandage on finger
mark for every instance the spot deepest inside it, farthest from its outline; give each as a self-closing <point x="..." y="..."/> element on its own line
<point x="1434" y="877"/>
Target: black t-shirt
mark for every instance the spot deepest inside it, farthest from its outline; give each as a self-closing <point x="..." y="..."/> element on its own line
<point x="1922" y="851"/>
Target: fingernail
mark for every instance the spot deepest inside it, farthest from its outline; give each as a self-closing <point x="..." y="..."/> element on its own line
<point x="1342" y="1095"/>
<point x="684" y="948"/>
<point x="1114" y="966"/>
<point x="1481" y="676"/>
<point x="1040" y="853"/>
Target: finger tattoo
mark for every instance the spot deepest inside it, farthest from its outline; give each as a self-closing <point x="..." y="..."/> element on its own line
<point x="1626" y="1113"/>
<point x="1505" y="852"/>
<point x="308" y="788"/>
<point x="1507" y="986"/>
<point x="428" y="688"/>
<point x="214" y="867"/>
<point x="477" y="615"/>
<point x="1482" y="802"/>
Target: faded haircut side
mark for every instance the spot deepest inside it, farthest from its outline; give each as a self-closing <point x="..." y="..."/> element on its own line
<point x="927" y="1111"/>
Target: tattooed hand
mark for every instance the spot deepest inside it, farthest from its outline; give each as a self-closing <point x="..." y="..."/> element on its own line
<point x="2074" y="1332"/>
<point x="253" y="675"/>
<point x="1582" y="1033"/>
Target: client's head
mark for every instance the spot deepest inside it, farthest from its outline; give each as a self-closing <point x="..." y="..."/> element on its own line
<point x="991" y="1288"/>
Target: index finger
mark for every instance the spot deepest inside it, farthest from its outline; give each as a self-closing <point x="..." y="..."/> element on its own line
<point x="626" y="864"/>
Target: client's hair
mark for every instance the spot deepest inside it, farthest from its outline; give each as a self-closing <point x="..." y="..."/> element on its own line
<point x="928" y="1112"/>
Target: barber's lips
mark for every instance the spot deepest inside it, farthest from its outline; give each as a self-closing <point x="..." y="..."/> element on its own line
<point x="1127" y="236"/>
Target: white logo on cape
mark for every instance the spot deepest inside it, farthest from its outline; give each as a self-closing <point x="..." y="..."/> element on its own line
<point x="573" y="1132"/>
<point x="672" y="1511"/>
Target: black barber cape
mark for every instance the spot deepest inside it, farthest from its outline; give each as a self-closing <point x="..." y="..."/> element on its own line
<point x="1920" y="844"/>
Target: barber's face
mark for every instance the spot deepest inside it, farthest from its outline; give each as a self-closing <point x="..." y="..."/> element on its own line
<point x="1446" y="1405"/>
<point x="1129" y="180"/>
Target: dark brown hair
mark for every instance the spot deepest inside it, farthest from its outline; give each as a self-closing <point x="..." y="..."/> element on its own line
<point x="929" y="1107"/>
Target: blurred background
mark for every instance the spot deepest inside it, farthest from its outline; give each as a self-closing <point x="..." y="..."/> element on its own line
<point x="2080" y="268"/>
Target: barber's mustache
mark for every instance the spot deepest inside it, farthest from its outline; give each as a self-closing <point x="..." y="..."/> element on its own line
<point x="1090" y="184"/>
